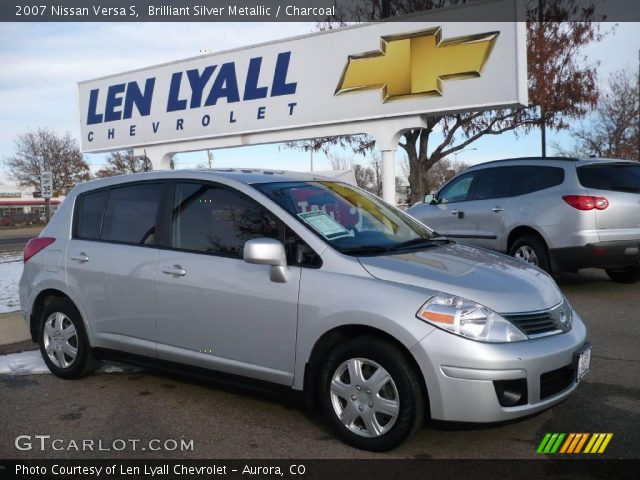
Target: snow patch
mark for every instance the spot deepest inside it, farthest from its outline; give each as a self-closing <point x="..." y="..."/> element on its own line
<point x="11" y="266"/>
<point x="31" y="363"/>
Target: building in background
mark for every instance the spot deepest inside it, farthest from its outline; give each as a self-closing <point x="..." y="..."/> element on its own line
<point x="23" y="206"/>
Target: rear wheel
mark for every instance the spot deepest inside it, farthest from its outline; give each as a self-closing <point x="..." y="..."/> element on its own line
<point x="531" y="249"/>
<point x="627" y="275"/>
<point x="371" y="394"/>
<point x="63" y="341"/>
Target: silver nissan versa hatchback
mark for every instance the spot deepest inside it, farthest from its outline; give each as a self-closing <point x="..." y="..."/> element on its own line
<point x="303" y="282"/>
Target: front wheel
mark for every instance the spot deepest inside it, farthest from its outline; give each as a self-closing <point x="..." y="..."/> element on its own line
<point x="63" y="341"/>
<point x="627" y="275"/>
<point x="371" y="394"/>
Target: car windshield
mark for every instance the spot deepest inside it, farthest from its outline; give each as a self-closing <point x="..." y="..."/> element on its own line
<point x="349" y="219"/>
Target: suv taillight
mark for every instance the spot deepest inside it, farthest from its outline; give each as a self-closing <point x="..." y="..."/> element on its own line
<point x="586" y="202"/>
<point x="35" y="245"/>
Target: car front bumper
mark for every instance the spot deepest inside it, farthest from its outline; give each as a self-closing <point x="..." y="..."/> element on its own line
<point x="461" y="375"/>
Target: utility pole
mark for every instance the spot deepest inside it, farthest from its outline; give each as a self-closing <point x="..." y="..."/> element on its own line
<point x="311" y="158"/>
<point x="385" y="9"/>
<point x="543" y="117"/>
<point x="210" y="157"/>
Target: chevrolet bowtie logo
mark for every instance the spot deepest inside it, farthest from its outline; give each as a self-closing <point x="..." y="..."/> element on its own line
<point x="416" y="64"/>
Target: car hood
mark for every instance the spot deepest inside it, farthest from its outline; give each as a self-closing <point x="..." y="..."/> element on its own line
<point x="504" y="284"/>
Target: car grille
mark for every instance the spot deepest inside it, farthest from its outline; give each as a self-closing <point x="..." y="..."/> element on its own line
<point x="535" y="323"/>
<point x="556" y="381"/>
<point x="547" y="322"/>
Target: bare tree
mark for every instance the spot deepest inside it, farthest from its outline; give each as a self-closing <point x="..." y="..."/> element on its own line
<point x="442" y="172"/>
<point x="340" y="161"/>
<point x="45" y="149"/>
<point x="120" y="163"/>
<point x="562" y="86"/>
<point x="613" y="131"/>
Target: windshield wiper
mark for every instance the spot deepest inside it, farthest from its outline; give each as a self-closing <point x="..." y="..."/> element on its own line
<point x="428" y="242"/>
<point x="366" y="249"/>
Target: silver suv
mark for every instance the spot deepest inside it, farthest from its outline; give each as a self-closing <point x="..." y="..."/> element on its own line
<point x="303" y="282"/>
<point x="559" y="214"/>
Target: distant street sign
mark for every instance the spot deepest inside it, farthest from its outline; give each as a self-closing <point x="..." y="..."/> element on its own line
<point x="37" y="194"/>
<point x="46" y="183"/>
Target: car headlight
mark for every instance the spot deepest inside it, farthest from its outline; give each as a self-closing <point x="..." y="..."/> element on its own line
<point x="469" y="319"/>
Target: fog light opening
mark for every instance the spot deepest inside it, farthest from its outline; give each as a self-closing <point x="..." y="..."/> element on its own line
<point x="511" y="393"/>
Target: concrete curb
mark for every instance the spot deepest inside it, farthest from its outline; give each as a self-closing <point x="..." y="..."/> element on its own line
<point x="13" y="329"/>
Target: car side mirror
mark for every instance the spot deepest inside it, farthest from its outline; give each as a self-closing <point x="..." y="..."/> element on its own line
<point x="268" y="251"/>
<point x="428" y="199"/>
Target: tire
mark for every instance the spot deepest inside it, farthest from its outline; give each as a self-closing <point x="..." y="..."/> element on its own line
<point x="382" y="419"/>
<point x="531" y="249"/>
<point x="61" y="333"/>
<point x="627" y="275"/>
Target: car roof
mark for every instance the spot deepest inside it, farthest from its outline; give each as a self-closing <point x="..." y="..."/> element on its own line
<point x="548" y="161"/>
<point x="240" y="175"/>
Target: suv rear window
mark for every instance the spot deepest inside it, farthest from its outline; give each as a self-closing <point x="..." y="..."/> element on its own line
<point x="619" y="177"/>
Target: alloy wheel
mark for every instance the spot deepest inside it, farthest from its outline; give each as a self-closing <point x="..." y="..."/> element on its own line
<point x="60" y="340"/>
<point x="526" y="253"/>
<point x="364" y="397"/>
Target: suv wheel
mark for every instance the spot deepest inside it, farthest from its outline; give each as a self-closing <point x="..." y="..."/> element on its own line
<point x="371" y="394"/>
<point x="63" y="341"/>
<point x="627" y="275"/>
<point x="532" y="250"/>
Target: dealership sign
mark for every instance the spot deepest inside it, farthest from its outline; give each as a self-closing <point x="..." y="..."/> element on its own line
<point x="365" y="72"/>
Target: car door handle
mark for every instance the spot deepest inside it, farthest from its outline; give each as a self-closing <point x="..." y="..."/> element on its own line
<point x="176" y="270"/>
<point x="80" y="257"/>
<point x="497" y="209"/>
<point x="457" y="213"/>
<point x="454" y="212"/>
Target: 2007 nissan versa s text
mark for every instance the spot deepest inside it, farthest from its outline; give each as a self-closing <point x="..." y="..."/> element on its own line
<point x="304" y="282"/>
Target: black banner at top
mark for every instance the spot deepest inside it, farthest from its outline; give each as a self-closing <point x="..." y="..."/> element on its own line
<point x="340" y="11"/>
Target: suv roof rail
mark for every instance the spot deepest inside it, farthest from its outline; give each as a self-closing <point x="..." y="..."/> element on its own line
<point x="566" y="159"/>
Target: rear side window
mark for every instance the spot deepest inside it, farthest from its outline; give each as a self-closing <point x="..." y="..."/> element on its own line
<point x="90" y="215"/>
<point x="529" y="179"/>
<point x="493" y="183"/>
<point x="618" y="177"/>
<point x="131" y="214"/>
<point x="217" y="220"/>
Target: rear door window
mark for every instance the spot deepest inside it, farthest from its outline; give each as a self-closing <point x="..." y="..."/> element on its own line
<point x="131" y="214"/>
<point x="531" y="178"/>
<point x="493" y="183"/>
<point x="617" y="177"/>
<point x="90" y="215"/>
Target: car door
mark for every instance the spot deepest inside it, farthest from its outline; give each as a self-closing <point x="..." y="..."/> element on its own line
<point x="110" y="264"/>
<point x="447" y="215"/>
<point x="484" y="216"/>
<point x="213" y="309"/>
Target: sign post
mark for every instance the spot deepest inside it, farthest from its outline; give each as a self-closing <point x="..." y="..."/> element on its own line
<point x="46" y="187"/>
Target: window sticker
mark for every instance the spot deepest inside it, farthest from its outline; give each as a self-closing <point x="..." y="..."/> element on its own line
<point x="324" y="224"/>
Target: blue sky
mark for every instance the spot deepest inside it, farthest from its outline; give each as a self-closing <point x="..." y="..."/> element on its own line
<point x="43" y="61"/>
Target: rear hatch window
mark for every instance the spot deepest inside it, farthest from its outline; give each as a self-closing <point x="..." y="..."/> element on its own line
<point x="616" y="177"/>
<point x="619" y="183"/>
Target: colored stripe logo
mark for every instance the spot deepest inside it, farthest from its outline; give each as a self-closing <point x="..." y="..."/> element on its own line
<point x="574" y="443"/>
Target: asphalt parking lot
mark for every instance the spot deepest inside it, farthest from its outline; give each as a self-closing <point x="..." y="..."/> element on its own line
<point x="232" y="422"/>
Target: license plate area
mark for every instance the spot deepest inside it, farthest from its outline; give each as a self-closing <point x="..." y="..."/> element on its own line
<point x="582" y="361"/>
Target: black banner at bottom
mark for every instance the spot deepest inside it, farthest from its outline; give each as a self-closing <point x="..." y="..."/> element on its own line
<point x="320" y="469"/>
